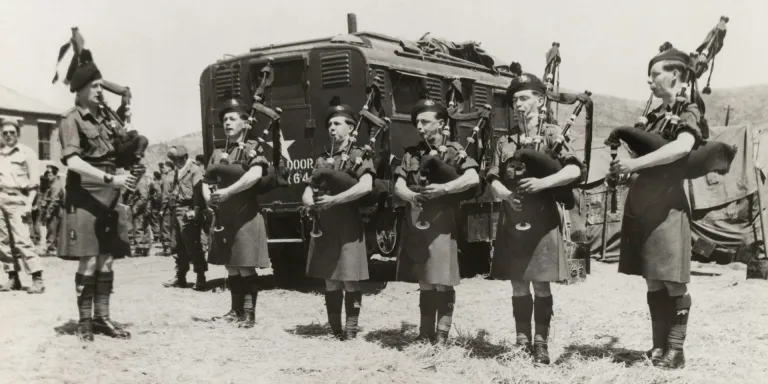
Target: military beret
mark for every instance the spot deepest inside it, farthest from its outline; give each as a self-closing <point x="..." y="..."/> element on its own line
<point x="233" y="105"/>
<point x="671" y="54"/>
<point x="83" y="75"/>
<point x="427" y="105"/>
<point x="524" y="82"/>
<point x="341" y="110"/>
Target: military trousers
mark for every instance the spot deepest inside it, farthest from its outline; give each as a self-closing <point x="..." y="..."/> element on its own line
<point x="14" y="234"/>
<point x="189" y="249"/>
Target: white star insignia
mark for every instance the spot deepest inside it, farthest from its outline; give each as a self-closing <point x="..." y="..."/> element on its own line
<point x="284" y="144"/>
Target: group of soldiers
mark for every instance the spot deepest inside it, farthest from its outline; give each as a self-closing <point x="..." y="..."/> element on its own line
<point x="175" y="205"/>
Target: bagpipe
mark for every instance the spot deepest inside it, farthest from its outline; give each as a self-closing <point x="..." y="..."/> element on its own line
<point x="333" y="180"/>
<point x="711" y="156"/>
<point x="529" y="160"/>
<point x="433" y="168"/>
<point x="232" y="166"/>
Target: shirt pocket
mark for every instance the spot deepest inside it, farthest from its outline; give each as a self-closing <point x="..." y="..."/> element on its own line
<point x="97" y="145"/>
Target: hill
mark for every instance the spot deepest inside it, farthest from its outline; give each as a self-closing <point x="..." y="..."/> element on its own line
<point x="749" y="105"/>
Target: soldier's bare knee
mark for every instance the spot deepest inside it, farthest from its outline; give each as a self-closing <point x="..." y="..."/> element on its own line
<point x="654" y="285"/>
<point x="542" y="289"/>
<point x="676" y="289"/>
<point x="351" y="286"/>
<point x="333" y="285"/>
<point x="520" y="288"/>
<point x="87" y="266"/>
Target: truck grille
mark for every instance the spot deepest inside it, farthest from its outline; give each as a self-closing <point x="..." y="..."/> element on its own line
<point x="435" y="89"/>
<point x="226" y="81"/>
<point x="335" y="69"/>
<point x="481" y="95"/>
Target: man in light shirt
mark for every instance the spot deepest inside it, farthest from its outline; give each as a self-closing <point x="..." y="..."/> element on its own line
<point x="19" y="181"/>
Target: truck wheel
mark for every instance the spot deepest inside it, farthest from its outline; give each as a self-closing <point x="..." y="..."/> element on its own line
<point x="288" y="262"/>
<point x="474" y="259"/>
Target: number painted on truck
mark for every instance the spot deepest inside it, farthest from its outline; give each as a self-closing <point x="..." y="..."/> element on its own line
<point x="300" y="170"/>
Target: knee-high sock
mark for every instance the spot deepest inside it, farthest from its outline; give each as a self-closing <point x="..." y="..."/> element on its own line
<point x="680" y="309"/>
<point x="658" y="307"/>
<point x="104" y="283"/>
<point x="236" y="293"/>
<point x="428" y="307"/>
<point x="333" y="301"/>
<point x="250" y="289"/>
<point x="352" y="304"/>
<point x="542" y="315"/>
<point x="522" y="310"/>
<point x="446" y="304"/>
<point x="85" y="287"/>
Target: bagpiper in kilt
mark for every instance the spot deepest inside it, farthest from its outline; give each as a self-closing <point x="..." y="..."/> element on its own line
<point x="339" y="255"/>
<point x="655" y="228"/>
<point x="90" y="227"/>
<point x="246" y="248"/>
<point x="431" y="254"/>
<point x="533" y="256"/>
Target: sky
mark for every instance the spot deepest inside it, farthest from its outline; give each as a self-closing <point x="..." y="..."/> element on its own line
<point x="159" y="48"/>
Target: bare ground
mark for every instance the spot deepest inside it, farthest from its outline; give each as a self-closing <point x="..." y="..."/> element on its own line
<point x="599" y="330"/>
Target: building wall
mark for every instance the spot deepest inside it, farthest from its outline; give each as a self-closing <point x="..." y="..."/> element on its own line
<point x="34" y="129"/>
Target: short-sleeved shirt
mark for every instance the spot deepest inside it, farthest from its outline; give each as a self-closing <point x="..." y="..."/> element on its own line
<point x="357" y="165"/>
<point x="89" y="137"/>
<point x="168" y="184"/>
<point x="507" y="145"/>
<point x="55" y="194"/>
<point x="19" y="168"/>
<point x="188" y="177"/>
<point x="409" y="168"/>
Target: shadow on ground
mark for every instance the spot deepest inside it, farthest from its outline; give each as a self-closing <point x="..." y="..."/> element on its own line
<point x="607" y="349"/>
<point x="479" y="345"/>
<point x="313" y="330"/>
<point x="70" y="327"/>
<point x="393" y="338"/>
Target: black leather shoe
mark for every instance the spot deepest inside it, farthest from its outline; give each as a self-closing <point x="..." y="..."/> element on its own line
<point x="107" y="328"/>
<point x="200" y="283"/>
<point x="673" y="359"/>
<point x="176" y="282"/>
<point x="249" y="319"/>
<point x="654" y="354"/>
<point x="540" y="353"/>
<point x="425" y="338"/>
<point x="228" y="317"/>
<point x="527" y="348"/>
<point x="85" y="330"/>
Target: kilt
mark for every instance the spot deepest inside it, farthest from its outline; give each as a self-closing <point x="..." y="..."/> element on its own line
<point x="246" y="245"/>
<point x="430" y="256"/>
<point x="537" y="254"/>
<point x="340" y="253"/>
<point x="88" y="227"/>
<point x="656" y="229"/>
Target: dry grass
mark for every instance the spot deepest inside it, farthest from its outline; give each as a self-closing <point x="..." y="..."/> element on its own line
<point x="599" y="329"/>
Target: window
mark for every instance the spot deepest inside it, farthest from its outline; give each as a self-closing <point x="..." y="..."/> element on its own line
<point x="44" y="131"/>
<point x="500" y="112"/>
<point x="406" y="91"/>
<point x="288" y="85"/>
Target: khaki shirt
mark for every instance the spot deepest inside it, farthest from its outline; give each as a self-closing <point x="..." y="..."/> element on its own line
<point x="188" y="177"/>
<point x="19" y="168"/>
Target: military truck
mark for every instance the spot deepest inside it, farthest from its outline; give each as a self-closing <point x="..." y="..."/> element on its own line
<point x="307" y="76"/>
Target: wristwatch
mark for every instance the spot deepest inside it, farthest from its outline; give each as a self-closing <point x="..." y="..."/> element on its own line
<point x="108" y="178"/>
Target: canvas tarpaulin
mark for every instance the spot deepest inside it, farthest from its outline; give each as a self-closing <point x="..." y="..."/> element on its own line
<point x="725" y="216"/>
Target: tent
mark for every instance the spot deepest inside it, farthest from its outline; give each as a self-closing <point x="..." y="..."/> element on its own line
<point x="726" y="224"/>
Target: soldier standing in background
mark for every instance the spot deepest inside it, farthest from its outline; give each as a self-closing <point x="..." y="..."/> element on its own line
<point x="35" y="219"/>
<point x="19" y="181"/>
<point x="154" y="197"/>
<point x="167" y="208"/>
<point x="51" y="210"/>
<point x="186" y="223"/>
<point x="140" y="223"/>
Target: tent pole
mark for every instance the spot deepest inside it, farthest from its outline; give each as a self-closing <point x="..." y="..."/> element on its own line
<point x="758" y="268"/>
<point x="605" y="222"/>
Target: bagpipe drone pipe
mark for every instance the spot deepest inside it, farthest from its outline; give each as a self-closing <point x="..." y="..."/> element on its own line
<point x="529" y="160"/>
<point x="710" y="156"/>
<point x="331" y="179"/>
